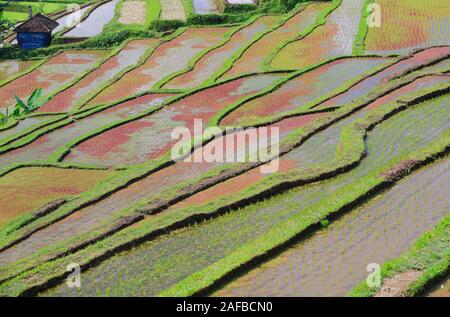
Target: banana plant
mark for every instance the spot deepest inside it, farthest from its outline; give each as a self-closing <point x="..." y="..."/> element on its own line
<point x="33" y="103"/>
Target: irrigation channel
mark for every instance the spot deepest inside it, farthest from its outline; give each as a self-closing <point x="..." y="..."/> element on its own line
<point x="158" y="264"/>
<point x="95" y="22"/>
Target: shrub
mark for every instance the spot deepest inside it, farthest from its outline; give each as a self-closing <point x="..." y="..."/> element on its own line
<point x="166" y="25"/>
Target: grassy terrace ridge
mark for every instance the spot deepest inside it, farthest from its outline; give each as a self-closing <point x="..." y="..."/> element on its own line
<point x="109" y="227"/>
<point x="430" y="254"/>
<point x="147" y="168"/>
<point x="358" y="44"/>
<point x="229" y="64"/>
<point x="133" y="171"/>
<point x="200" y="55"/>
<point x="52" y="272"/>
<point x="308" y="221"/>
<point x="321" y="20"/>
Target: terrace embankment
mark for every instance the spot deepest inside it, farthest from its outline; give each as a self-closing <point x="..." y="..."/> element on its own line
<point x="158" y="264"/>
<point x="375" y="232"/>
<point x="213" y="61"/>
<point x="42" y="147"/>
<point x="150" y="137"/>
<point x="52" y="75"/>
<point x="254" y="57"/>
<point x="174" y="55"/>
<point x="334" y="38"/>
<point x="165" y="176"/>
<point x="128" y="56"/>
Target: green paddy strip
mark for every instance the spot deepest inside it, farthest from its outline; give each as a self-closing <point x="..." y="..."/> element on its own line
<point x="363" y="29"/>
<point x="304" y="220"/>
<point x="321" y="20"/>
<point x="200" y="55"/>
<point x="98" y="249"/>
<point x="132" y="175"/>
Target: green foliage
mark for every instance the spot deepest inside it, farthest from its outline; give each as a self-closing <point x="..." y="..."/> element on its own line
<point x="166" y="25"/>
<point x="240" y="8"/>
<point x="5" y="26"/>
<point x="34" y="102"/>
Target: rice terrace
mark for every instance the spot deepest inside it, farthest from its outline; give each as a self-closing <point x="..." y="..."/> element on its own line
<point x="225" y="148"/>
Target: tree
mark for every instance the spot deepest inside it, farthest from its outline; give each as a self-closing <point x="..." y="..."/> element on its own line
<point x="5" y="24"/>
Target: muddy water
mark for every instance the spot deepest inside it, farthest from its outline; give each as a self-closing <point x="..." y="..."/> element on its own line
<point x="158" y="264"/>
<point x="94" y="23"/>
<point x="334" y="260"/>
<point x="441" y="289"/>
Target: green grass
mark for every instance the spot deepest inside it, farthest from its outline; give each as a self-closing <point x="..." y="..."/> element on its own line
<point x="358" y="44"/>
<point x="19" y="11"/>
<point x="144" y="168"/>
<point x="188" y="8"/>
<point x="429" y="254"/>
<point x="153" y="10"/>
<point x="165" y="222"/>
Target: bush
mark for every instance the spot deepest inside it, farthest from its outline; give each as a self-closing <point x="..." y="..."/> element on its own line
<point x="212" y="19"/>
<point x="166" y="25"/>
<point x="240" y="8"/>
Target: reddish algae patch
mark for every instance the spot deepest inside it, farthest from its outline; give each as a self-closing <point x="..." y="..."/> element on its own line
<point x="128" y="56"/>
<point x="252" y="60"/>
<point x="150" y="137"/>
<point x="53" y="74"/>
<point x="27" y="189"/>
<point x="169" y="57"/>
<point x="213" y="61"/>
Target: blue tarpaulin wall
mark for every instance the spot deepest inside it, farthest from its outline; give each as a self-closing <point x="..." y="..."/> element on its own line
<point x="32" y="40"/>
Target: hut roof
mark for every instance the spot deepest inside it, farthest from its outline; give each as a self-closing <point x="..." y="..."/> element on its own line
<point x="38" y="23"/>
